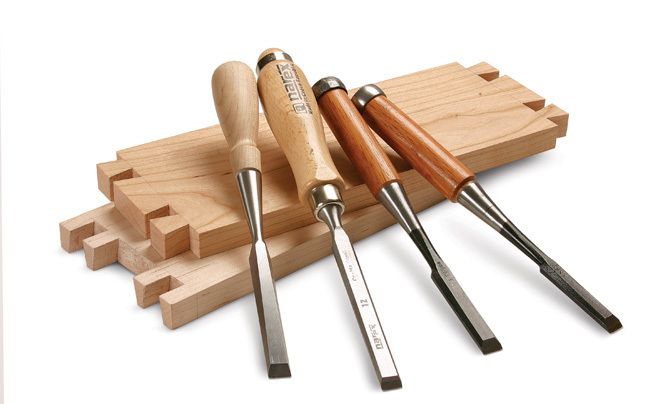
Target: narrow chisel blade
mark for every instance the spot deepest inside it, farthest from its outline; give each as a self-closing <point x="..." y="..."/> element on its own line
<point x="273" y="340"/>
<point x="456" y="297"/>
<point x="571" y="288"/>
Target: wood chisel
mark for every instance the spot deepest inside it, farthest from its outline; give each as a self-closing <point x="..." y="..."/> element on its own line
<point x="377" y="171"/>
<point x="458" y="183"/>
<point x="235" y="96"/>
<point x="293" y="116"/>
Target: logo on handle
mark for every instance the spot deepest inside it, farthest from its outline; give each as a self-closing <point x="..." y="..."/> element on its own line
<point x="294" y="89"/>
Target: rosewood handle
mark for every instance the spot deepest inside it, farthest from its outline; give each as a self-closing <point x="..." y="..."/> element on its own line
<point x="354" y="135"/>
<point x="415" y="145"/>
<point x="293" y="116"/>
<point x="235" y="96"/>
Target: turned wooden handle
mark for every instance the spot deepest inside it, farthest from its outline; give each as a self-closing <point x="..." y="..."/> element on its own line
<point x="357" y="139"/>
<point x="417" y="146"/>
<point x="293" y="116"/>
<point x="235" y="95"/>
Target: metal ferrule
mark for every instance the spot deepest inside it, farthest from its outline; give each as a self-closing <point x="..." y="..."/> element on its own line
<point x="325" y="195"/>
<point x="476" y="200"/>
<point x="393" y="197"/>
<point x="249" y="181"/>
<point x="325" y="84"/>
<point x="270" y="57"/>
<point x="365" y="94"/>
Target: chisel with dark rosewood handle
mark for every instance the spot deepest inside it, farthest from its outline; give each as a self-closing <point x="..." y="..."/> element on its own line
<point x="377" y="171"/>
<point x="457" y="182"/>
<point x="294" y="118"/>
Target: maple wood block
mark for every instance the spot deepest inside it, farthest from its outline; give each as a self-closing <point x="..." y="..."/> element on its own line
<point x="474" y="112"/>
<point x="139" y="204"/>
<point x="109" y="172"/>
<point x="133" y="252"/>
<point x="486" y="121"/>
<point x="170" y="235"/>
<point x="72" y="234"/>
<point x="101" y="250"/>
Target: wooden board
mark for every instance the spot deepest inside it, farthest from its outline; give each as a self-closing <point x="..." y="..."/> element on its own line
<point x="188" y="287"/>
<point x="485" y="123"/>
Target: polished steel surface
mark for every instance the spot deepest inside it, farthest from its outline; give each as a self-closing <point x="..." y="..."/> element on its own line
<point x="325" y="84"/>
<point x="271" y="327"/>
<point x="474" y="198"/>
<point x="393" y="197"/>
<point x="270" y="57"/>
<point x="325" y="195"/>
<point x="360" y="298"/>
<point x="365" y="94"/>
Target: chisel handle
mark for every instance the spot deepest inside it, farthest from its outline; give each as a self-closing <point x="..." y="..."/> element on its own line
<point x="293" y="116"/>
<point x="354" y="135"/>
<point x="412" y="142"/>
<point x="235" y="96"/>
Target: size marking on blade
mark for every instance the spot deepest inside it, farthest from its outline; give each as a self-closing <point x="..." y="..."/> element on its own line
<point x="375" y="336"/>
<point x="294" y="88"/>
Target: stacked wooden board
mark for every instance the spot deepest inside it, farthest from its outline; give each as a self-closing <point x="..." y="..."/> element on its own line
<point x="176" y="221"/>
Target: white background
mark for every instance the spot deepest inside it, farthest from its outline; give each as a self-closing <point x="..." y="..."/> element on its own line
<point x="83" y="79"/>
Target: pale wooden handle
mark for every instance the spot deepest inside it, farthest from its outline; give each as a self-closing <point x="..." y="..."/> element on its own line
<point x="293" y="116"/>
<point x="235" y="95"/>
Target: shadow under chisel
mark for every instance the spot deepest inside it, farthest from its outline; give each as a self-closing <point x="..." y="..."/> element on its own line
<point x="382" y="179"/>
<point x="457" y="182"/>
<point x="293" y="116"/>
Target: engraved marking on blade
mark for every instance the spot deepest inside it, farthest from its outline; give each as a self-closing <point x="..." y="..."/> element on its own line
<point x="377" y="340"/>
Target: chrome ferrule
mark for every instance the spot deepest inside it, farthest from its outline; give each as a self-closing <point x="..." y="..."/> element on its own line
<point x="325" y="195"/>
<point x="394" y="199"/>
<point x="249" y="182"/>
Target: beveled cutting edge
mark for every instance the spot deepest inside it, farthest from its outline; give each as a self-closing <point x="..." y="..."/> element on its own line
<point x="358" y="293"/>
<point x="271" y="327"/>
<point x="476" y="200"/>
<point x="382" y="179"/>
<point x="457" y="182"/>
<point x="393" y="197"/>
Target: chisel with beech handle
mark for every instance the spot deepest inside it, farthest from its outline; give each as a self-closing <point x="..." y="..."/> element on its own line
<point x="458" y="183"/>
<point x="293" y="116"/>
<point x="235" y="96"/>
<point x="377" y="171"/>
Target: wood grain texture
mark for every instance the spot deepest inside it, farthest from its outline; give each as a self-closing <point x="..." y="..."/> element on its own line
<point x="357" y="140"/>
<point x="107" y="237"/>
<point x="424" y="153"/>
<point x="170" y="235"/>
<point x="235" y="97"/>
<point x="294" y="118"/>
<point x="483" y="123"/>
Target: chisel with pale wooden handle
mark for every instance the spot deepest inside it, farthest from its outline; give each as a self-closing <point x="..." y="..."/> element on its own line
<point x="458" y="183"/>
<point x="293" y="116"/>
<point x="374" y="166"/>
<point x="235" y="96"/>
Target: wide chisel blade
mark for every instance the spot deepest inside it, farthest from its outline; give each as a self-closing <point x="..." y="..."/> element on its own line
<point x="273" y="340"/>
